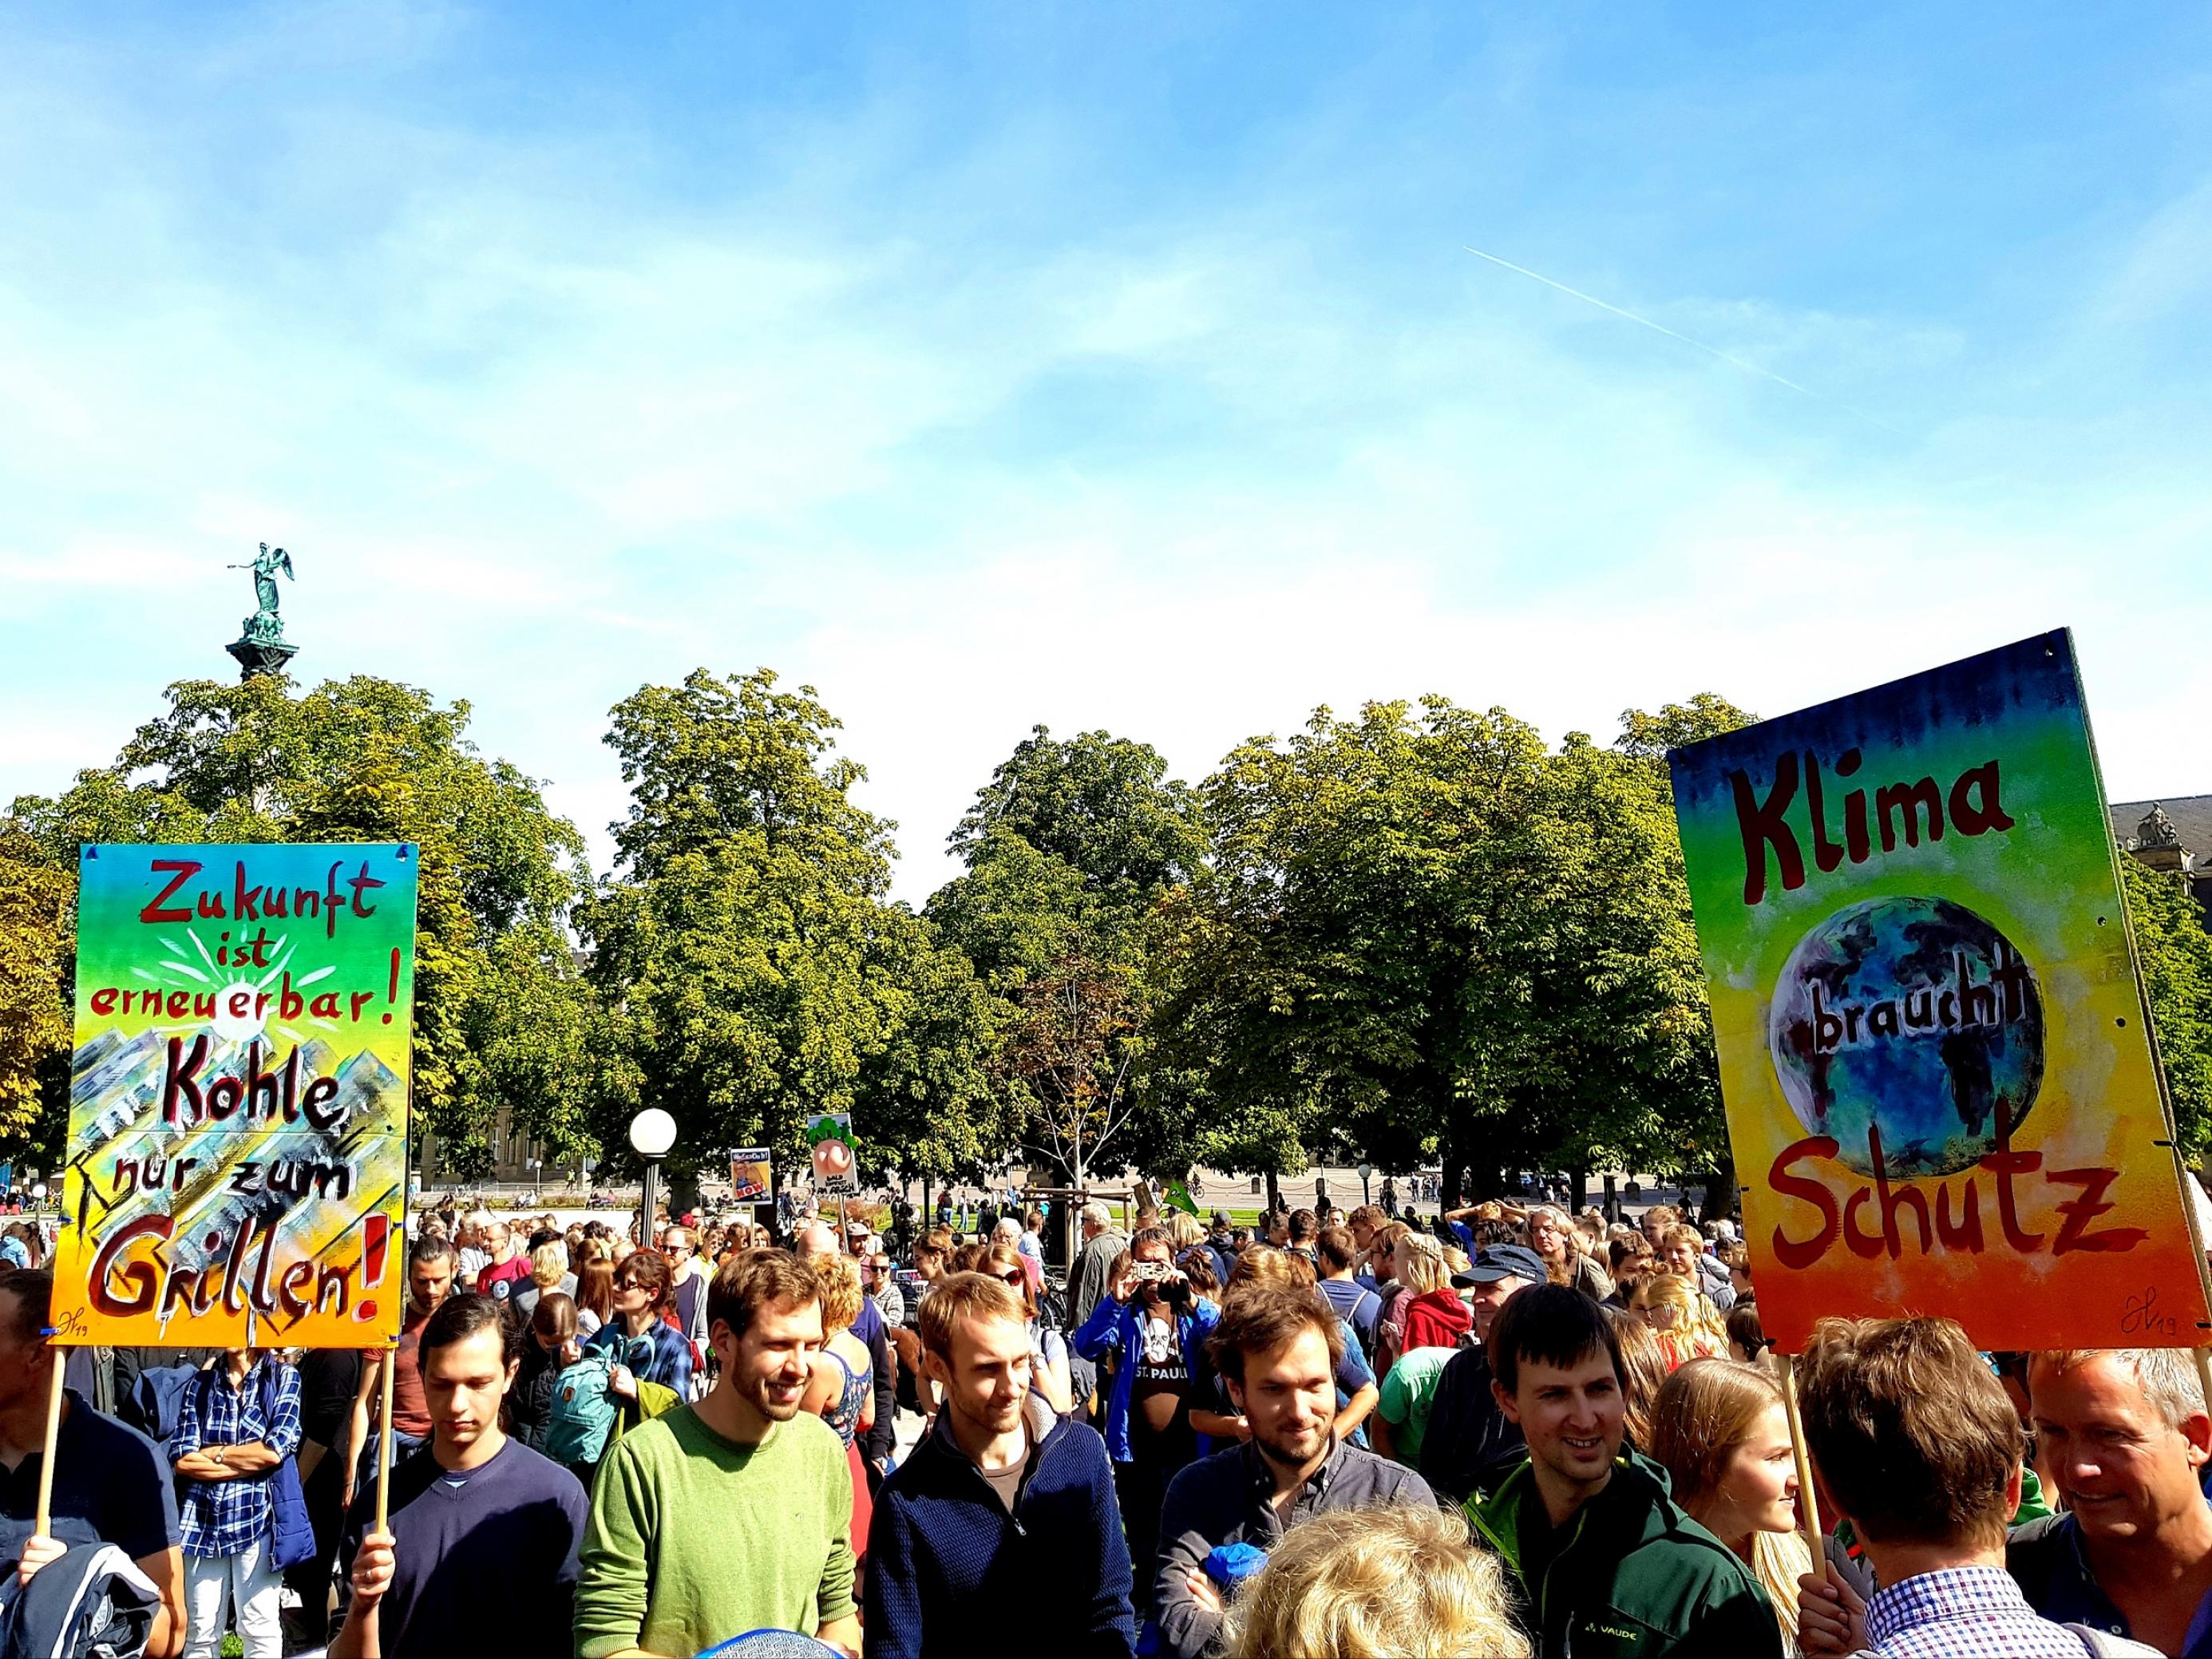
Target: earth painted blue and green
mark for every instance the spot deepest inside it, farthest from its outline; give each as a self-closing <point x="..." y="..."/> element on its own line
<point x="1913" y="1020"/>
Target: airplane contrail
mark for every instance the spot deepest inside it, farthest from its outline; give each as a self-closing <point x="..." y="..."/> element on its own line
<point x="1675" y="334"/>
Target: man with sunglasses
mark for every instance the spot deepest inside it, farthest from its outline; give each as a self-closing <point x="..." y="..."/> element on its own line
<point x="688" y="1288"/>
<point x="882" y="1290"/>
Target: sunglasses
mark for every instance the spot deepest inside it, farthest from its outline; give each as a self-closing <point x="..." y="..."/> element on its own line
<point x="1016" y="1278"/>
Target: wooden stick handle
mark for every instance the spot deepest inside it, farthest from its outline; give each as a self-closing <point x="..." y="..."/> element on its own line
<point x="385" y="1433"/>
<point x="1808" y="1500"/>
<point x="53" y="1433"/>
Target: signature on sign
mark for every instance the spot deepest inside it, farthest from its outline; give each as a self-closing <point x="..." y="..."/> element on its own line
<point x="2139" y="1316"/>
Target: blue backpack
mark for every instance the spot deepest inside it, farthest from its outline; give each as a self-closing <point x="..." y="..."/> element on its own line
<point x="586" y="1408"/>
<point x="157" y="1399"/>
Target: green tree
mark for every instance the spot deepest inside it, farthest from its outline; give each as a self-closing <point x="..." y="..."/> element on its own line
<point x="1071" y="850"/>
<point x="37" y="902"/>
<point x="927" y="1100"/>
<point x="740" y="950"/>
<point x="1425" y="934"/>
<point x="2175" y="955"/>
<point x="1686" y="1129"/>
<point x="369" y="759"/>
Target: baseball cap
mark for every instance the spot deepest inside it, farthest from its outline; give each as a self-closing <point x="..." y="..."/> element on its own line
<point x="1495" y="1261"/>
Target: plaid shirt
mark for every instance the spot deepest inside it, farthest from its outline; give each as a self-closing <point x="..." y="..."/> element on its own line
<point x="222" y="1517"/>
<point x="1964" y="1613"/>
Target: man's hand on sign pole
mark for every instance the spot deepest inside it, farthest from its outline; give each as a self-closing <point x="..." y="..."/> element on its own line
<point x="361" y="1636"/>
<point x="39" y="1552"/>
<point x="373" y="1567"/>
<point x="1831" y="1617"/>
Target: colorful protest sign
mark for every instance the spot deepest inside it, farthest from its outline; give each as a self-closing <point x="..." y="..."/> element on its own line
<point x="1934" y="1051"/>
<point x="831" y="1136"/>
<point x="238" y="1101"/>
<point x="749" y="1174"/>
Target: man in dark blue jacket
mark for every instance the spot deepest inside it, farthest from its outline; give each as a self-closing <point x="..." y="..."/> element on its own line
<point x="1003" y="1519"/>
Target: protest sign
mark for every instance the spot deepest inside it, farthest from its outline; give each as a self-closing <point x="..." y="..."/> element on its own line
<point x="831" y="1136"/>
<point x="749" y="1174"/>
<point x="238" y="1101"/>
<point x="1934" y="1050"/>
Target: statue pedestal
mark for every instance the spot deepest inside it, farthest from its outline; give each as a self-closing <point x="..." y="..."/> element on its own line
<point x="260" y="656"/>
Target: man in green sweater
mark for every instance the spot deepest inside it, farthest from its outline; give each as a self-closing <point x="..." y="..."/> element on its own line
<point x="733" y="1514"/>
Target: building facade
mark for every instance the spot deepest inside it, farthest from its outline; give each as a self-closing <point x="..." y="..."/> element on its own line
<point x="2173" y="836"/>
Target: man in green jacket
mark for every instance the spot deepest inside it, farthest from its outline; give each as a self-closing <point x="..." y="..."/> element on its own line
<point x="1603" y="1563"/>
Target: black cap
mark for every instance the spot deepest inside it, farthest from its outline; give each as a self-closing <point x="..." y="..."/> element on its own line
<point x="1495" y="1261"/>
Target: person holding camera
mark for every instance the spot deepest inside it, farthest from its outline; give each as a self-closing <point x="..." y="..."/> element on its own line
<point x="1149" y="1330"/>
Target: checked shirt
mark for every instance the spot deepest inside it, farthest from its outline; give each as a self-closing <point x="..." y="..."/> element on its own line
<point x="222" y="1517"/>
<point x="1964" y="1613"/>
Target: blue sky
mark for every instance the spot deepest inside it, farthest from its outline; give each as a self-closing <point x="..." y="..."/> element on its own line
<point x="1113" y="366"/>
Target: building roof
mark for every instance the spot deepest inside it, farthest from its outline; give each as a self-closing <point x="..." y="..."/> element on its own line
<point x="2191" y="816"/>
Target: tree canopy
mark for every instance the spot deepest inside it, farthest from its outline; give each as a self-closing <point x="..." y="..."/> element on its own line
<point x="1071" y="850"/>
<point x="363" y="759"/>
<point x="2175" y="954"/>
<point x="1418" y="934"/>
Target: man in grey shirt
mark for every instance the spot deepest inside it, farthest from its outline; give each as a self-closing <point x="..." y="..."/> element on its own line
<point x="1088" y="1281"/>
<point x="1277" y="1347"/>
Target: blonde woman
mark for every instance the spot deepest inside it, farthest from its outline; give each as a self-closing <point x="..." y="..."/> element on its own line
<point x="1720" y="1430"/>
<point x="842" y="1391"/>
<point x="1434" y="1315"/>
<point x="1375" y="1583"/>
<point x="1644" y="1371"/>
<point x="1687" y="1325"/>
<point x="548" y="1271"/>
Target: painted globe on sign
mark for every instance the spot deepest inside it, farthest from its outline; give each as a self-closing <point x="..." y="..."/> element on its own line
<point x="1913" y="1020"/>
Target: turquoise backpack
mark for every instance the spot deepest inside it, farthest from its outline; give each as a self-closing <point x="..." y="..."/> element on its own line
<point x="585" y="1406"/>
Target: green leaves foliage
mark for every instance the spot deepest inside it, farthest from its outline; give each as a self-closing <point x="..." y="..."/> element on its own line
<point x="1072" y="848"/>
<point x="754" y="974"/>
<point x="497" y="1016"/>
<point x="1425" y="934"/>
<point x="2175" y="954"/>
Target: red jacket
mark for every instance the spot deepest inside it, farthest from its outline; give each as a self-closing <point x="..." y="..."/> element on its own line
<point x="1435" y="1319"/>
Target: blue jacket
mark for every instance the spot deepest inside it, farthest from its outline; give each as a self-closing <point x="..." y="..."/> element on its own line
<point x="945" y="1561"/>
<point x="1113" y="1328"/>
<point x="670" y="1365"/>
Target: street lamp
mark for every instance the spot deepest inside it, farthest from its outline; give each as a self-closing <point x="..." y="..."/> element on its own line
<point x="651" y="1133"/>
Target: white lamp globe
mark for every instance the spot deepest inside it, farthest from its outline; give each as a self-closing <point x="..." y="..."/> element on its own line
<point x="651" y="1133"/>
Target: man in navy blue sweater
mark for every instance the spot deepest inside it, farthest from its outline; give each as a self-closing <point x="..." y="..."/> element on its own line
<point x="1003" y="1519"/>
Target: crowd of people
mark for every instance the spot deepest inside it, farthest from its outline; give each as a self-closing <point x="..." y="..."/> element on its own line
<point x="1502" y="1430"/>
